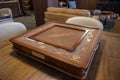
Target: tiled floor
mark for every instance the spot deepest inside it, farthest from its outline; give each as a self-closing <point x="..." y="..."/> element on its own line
<point x="28" y="21"/>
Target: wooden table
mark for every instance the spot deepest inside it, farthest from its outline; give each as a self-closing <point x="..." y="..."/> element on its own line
<point x="105" y="65"/>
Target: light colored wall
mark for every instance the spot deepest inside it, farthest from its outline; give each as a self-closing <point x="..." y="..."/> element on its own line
<point x="52" y="3"/>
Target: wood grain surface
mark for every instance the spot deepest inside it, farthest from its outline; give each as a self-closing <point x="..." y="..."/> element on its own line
<point x="60" y="36"/>
<point x="105" y="65"/>
<point x="61" y="58"/>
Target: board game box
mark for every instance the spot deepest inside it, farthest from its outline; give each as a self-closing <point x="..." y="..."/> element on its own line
<point x="64" y="47"/>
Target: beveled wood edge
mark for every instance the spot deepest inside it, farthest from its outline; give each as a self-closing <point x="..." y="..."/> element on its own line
<point x="70" y="74"/>
<point x="31" y="30"/>
<point x="81" y="26"/>
<point x="58" y="22"/>
<point x="78" y="41"/>
<point x="53" y="22"/>
<point x="54" y="43"/>
<point x="56" y="56"/>
<point x="92" y="57"/>
<point x="90" y="51"/>
<point x="45" y="53"/>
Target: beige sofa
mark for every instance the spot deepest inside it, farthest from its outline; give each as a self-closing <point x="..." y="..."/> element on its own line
<point x="116" y="28"/>
<point x="11" y="29"/>
<point x="62" y="14"/>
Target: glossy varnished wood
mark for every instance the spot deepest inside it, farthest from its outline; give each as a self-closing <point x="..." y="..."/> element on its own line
<point x="75" y="64"/>
<point x="58" y="35"/>
<point x="105" y="65"/>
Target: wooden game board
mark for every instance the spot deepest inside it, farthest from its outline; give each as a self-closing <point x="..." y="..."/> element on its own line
<point x="60" y="36"/>
<point x="67" y="48"/>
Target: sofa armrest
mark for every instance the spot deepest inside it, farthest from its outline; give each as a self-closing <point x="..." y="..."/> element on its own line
<point x="6" y="11"/>
<point x="10" y="30"/>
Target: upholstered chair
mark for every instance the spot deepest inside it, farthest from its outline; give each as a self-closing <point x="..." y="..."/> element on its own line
<point x="6" y="15"/>
<point x="10" y="30"/>
<point x="85" y="21"/>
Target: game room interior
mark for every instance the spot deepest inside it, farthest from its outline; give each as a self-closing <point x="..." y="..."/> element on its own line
<point x="59" y="40"/>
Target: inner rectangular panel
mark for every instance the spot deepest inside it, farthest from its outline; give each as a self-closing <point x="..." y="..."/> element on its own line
<point x="63" y="37"/>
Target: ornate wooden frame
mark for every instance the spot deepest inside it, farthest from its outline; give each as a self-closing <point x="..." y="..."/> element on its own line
<point x="52" y="37"/>
<point x="75" y="63"/>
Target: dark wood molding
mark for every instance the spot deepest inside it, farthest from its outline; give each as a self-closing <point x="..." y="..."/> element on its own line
<point x="40" y="7"/>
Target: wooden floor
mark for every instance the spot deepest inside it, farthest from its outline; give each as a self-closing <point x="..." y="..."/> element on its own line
<point x="105" y="65"/>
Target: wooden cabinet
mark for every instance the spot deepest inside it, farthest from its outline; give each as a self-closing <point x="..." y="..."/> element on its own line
<point x="109" y="6"/>
<point x="87" y="4"/>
